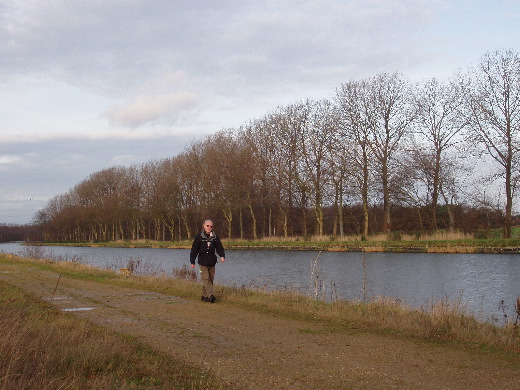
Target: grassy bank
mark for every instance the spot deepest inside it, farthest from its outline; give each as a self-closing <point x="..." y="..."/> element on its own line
<point x="420" y="242"/>
<point x="443" y="321"/>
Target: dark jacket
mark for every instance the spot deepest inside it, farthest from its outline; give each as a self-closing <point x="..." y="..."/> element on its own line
<point x="204" y="246"/>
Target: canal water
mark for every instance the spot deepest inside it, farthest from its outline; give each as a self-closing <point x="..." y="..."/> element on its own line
<point x="485" y="285"/>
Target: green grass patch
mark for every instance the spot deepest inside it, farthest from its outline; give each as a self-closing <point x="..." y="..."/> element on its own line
<point x="489" y="243"/>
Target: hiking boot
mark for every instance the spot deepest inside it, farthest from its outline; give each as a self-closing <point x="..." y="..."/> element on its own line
<point x="212" y="298"/>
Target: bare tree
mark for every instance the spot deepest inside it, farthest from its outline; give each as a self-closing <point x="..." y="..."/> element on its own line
<point x="390" y="114"/>
<point x="354" y="109"/>
<point x="341" y="165"/>
<point x="438" y="123"/>
<point x="222" y="176"/>
<point x="316" y="136"/>
<point x="282" y="130"/>
<point x="188" y="167"/>
<point x="255" y="158"/>
<point x="258" y="138"/>
<point x="493" y="113"/>
<point x="278" y="171"/>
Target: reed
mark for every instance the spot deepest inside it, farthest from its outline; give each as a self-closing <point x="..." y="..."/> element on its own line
<point x="184" y="272"/>
<point x="440" y="235"/>
<point x="451" y="249"/>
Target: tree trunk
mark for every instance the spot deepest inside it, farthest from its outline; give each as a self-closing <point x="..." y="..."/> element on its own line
<point x="435" y="193"/>
<point x="253" y="218"/>
<point x="509" y="197"/>
<point x="229" y="218"/>
<point x="241" y="223"/>
<point x="364" y="195"/>
<point x="386" y="200"/>
<point x="186" y="226"/>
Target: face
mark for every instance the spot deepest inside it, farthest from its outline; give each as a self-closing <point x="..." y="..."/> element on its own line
<point x="208" y="226"/>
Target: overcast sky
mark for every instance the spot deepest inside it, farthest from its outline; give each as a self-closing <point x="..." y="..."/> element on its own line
<point x="89" y="84"/>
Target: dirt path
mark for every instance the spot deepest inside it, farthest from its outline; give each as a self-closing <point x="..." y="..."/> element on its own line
<point x="258" y="351"/>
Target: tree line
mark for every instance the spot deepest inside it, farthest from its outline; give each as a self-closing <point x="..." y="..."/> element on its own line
<point x="382" y="155"/>
<point x="13" y="232"/>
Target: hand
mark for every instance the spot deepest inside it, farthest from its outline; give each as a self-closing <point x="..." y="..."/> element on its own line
<point x="192" y="266"/>
<point x="222" y="259"/>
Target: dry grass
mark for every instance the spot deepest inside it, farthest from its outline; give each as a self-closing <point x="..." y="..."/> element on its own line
<point x="42" y="348"/>
<point x="443" y="321"/>
<point x="440" y="235"/>
<point x="278" y="239"/>
<point x="446" y="235"/>
<point x="423" y="236"/>
<point x="451" y="249"/>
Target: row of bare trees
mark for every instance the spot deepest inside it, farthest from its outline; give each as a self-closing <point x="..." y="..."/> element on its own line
<point x="381" y="143"/>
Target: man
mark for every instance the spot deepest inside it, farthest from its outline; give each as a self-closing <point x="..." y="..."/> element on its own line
<point x="204" y="246"/>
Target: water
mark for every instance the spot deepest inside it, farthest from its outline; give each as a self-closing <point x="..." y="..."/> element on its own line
<point x="480" y="282"/>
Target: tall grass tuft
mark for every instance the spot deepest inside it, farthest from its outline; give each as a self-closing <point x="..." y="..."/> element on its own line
<point x="184" y="272"/>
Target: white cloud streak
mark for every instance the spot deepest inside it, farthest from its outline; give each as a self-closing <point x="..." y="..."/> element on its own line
<point x="152" y="109"/>
<point x="7" y="159"/>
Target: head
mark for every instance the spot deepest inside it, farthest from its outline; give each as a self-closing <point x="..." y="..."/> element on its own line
<point x="208" y="226"/>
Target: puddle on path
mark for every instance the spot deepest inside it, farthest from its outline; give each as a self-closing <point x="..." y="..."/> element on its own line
<point x="79" y="309"/>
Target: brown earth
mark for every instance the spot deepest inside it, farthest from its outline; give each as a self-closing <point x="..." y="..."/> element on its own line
<point x="252" y="350"/>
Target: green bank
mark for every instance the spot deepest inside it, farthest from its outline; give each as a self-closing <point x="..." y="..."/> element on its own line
<point x="491" y="245"/>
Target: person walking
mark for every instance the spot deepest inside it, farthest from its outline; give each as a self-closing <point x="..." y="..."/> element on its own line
<point x="204" y="246"/>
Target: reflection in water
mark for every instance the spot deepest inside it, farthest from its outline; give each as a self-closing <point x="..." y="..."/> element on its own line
<point x="479" y="282"/>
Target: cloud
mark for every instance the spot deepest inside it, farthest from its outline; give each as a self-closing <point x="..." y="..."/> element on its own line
<point x="164" y="99"/>
<point x="112" y="46"/>
<point x="12" y="162"/>
<point x="9" y="159"/>
<point x="145" y="109"/>
<point x="148" y="58"/>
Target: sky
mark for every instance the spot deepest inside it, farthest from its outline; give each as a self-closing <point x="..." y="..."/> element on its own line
<point x="90" y="84"/>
